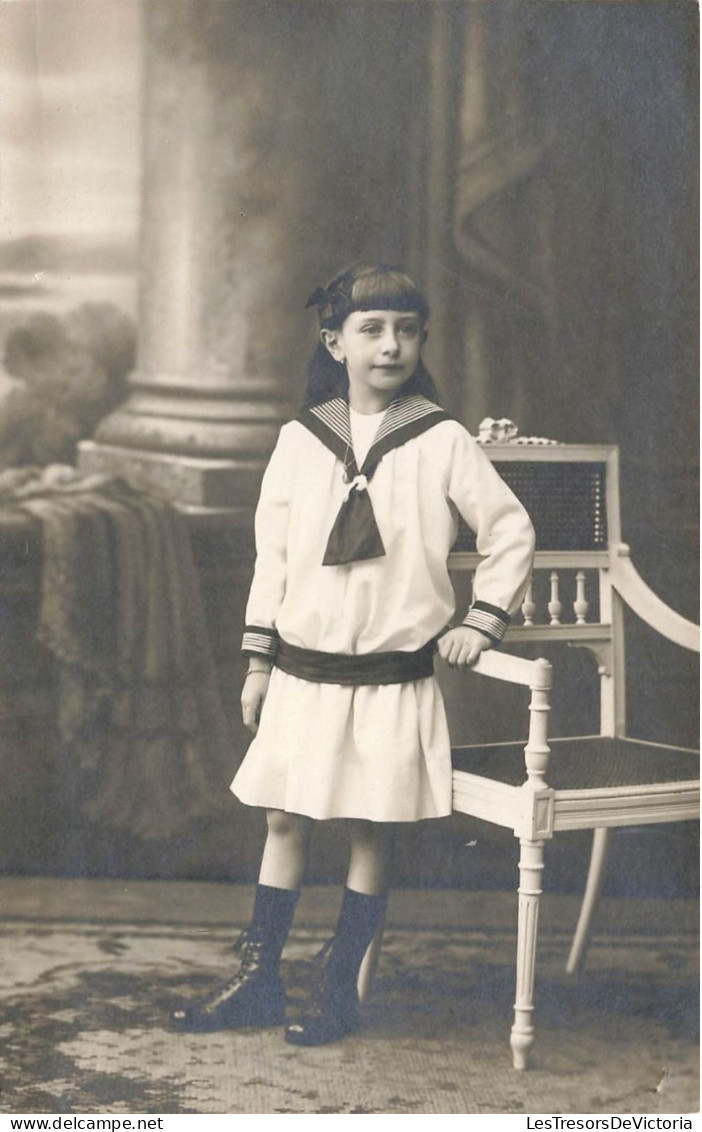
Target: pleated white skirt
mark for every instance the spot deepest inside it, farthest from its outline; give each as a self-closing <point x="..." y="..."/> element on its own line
<point x="329" y="751"/>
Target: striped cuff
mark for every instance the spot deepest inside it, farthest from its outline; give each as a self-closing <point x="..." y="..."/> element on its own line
<point x="489" y="620"/>
<point x="259" y="642"/>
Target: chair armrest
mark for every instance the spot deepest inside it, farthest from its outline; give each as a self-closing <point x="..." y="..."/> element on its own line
<point x="513" y="669"/>
<point x="638" y="596"/>
<point x="536" y="674"/>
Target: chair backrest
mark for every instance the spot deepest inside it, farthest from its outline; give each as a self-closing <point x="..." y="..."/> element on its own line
<point x="572" y="495"/>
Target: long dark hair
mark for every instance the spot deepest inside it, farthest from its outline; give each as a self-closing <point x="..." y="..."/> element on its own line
<point x="364" y="286"/>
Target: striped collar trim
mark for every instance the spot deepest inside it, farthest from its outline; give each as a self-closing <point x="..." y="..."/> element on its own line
<point x="405" y="418"/>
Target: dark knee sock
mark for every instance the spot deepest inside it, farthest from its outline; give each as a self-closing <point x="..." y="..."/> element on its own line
<point x="271" y="920"/>
<point x="359" y="918"/>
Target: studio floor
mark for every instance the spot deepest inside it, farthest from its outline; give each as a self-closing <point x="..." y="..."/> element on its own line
<point x="91" y="969"/>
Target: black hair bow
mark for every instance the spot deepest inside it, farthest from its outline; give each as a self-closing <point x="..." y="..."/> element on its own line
<point x="318" y="298"/>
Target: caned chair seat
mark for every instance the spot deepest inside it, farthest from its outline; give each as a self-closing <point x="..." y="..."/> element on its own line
<point x="593" y="762"/>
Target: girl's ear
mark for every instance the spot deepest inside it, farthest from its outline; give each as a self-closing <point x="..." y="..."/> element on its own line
<point x="330" y="339"/>
<point x="425" y="335"/>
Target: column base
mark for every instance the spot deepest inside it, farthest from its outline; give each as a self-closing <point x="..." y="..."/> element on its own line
<point x="192" y="483"/>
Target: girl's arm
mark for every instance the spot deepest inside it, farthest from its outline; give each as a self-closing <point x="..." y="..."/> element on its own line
<point x="461" y="647"/>
<point x="260" y="641"/>
<point x="504" y="539"/>
<point x="253" y="695"/>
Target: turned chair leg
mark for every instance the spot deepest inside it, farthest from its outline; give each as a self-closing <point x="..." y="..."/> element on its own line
<point x="593" y="887"/>
<point x="531" y="864"/>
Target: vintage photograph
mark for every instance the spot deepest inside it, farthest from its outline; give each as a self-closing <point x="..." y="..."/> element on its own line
<point x="349" y="571"/>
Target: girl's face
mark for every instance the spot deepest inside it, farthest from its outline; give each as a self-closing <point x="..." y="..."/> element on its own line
<point x="380" y="350"/>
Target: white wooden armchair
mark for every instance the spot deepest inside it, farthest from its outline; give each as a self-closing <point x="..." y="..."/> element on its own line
<point x="582" y="782"/>
<point x="585" y="782"/>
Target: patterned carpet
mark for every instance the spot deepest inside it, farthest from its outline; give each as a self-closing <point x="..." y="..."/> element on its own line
<point x="84" y="1028"/>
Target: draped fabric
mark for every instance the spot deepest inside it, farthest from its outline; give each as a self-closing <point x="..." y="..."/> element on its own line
<point x="139" y="715"/>
<point x="500" y="220"/>
<point x="574" y="153"/>
<point x="574" y="144"/>
<point x="500" y="148"/>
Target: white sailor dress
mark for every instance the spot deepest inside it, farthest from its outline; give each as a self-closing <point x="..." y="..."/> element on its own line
<point x="351" y="572"/>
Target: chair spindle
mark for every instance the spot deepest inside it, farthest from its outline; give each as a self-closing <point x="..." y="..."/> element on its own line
<point x="581" y="604"/>
<point x="529" y="606"/>
<point x="555" y="606"/>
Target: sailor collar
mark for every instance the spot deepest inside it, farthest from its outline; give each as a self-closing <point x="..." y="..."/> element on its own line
<point x="355" y="536"/>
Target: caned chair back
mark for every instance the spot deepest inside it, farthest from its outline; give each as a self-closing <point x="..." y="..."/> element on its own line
<point x="582" y="571"/>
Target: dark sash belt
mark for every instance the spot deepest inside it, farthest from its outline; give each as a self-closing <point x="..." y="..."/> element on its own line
<point x="371" y="668"/>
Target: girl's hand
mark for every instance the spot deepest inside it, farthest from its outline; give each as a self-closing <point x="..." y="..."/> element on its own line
<point x="461" y="647"/>
<point x="253" y="695"/>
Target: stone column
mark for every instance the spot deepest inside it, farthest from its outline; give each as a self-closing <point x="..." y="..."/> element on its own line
<point x="275" y="152"/>
<point x="224" y="202"/>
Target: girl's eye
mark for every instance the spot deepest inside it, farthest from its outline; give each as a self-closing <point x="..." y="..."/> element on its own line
<point x="370" y="330"/>
<point x="409" y="329"/>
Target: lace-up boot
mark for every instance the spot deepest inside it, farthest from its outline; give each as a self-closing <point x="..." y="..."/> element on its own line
<point x="255" y="995"/>
<point x="334" y="1009"/>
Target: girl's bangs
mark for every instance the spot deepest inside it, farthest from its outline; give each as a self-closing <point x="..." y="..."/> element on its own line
<point x="388" y="290"/>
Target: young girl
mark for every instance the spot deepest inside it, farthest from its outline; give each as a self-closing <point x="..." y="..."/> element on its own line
<point x="351" y="599"/>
